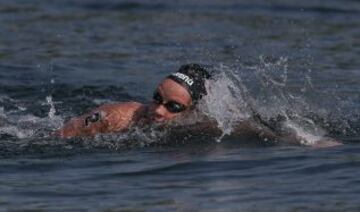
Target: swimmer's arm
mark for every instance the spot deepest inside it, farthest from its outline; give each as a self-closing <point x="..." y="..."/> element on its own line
<point x="326" y="142"/>
<point x="108" y="118"/>
<point x="266" y="130"/>
<point x="82" y="126"/>
<point x="290" y="137"/>
<point x="252" y="129"/>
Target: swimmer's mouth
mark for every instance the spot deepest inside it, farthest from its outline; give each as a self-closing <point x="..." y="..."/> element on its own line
<point x="157" y="119"/>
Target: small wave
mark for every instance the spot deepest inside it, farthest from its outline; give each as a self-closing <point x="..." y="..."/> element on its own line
<point x="111" y="6"/>
<point x="16" y="8"/>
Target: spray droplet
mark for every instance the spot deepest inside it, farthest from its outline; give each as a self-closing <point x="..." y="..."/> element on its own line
<point x="52" y="110"/>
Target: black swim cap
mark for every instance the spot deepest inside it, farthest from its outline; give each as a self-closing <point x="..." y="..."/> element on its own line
<point x="192" y="77"/>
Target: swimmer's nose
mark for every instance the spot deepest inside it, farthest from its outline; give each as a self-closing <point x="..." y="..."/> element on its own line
<point x="159" y="111"/>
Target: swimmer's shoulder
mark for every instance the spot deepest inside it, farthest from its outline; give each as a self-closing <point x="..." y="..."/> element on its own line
<point x="121" y="107"/>
<point x="119" y="116"/>
<point x="107" y="118"/>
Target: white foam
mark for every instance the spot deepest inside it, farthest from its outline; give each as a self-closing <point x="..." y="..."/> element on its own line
<point x="26" y="126"/>
<point x="225" y="101"/>
<point x="305" y="137"/>
<point x="16" y="131"/>
<point x="229" y="101"/>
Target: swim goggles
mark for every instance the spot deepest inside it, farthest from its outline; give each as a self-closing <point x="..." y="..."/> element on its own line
<point x="171" y="106"/>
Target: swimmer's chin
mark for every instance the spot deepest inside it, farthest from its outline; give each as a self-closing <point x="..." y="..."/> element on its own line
<point x="161" y="121"/>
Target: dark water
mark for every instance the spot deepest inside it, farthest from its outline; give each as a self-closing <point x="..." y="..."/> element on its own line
<point x="61" y="58"/>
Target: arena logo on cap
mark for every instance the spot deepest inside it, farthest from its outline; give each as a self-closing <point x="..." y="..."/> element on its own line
<point x="184" y="77"/>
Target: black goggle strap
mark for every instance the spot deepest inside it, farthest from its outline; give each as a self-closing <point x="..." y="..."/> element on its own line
<point x="157" y="97"/>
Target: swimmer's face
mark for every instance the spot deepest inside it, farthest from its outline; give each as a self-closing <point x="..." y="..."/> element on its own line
<point x="170" y="100"/>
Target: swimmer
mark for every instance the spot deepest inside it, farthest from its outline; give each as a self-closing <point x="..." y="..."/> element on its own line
<point x="175" y="96"/>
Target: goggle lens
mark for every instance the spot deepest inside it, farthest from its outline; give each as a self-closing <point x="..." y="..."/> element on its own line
<point x="171" y="106"/>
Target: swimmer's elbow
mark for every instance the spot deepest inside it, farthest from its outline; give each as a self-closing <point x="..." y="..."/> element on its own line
<point x="73" y="128"/>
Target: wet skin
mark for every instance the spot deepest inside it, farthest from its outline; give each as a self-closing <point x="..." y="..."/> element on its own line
<point x="118" y="117"/>
<point x="169" y="91"/>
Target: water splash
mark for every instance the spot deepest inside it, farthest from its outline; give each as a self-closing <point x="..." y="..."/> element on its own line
<point x="20" y="124"/>
<point x="226" y="100"/>
<point x="52" y="110"/>
<point x="241" y="92"/>
<point x="135" y="137"/>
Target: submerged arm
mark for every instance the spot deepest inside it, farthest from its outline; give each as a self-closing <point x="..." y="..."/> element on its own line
<point x="281" y="129"/>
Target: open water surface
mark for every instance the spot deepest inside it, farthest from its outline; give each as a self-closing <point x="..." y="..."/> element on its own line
<point x="296" y="59"/>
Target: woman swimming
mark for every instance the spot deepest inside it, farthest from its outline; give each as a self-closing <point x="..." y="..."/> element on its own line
<point x="175" y="97"/>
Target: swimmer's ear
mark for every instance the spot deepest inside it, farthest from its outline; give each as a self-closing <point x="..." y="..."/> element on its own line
<point x="95" y="117"/>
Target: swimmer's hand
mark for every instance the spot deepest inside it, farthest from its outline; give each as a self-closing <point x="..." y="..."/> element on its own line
<point x="326" y="142"/>
<point x="109" y="118"/>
